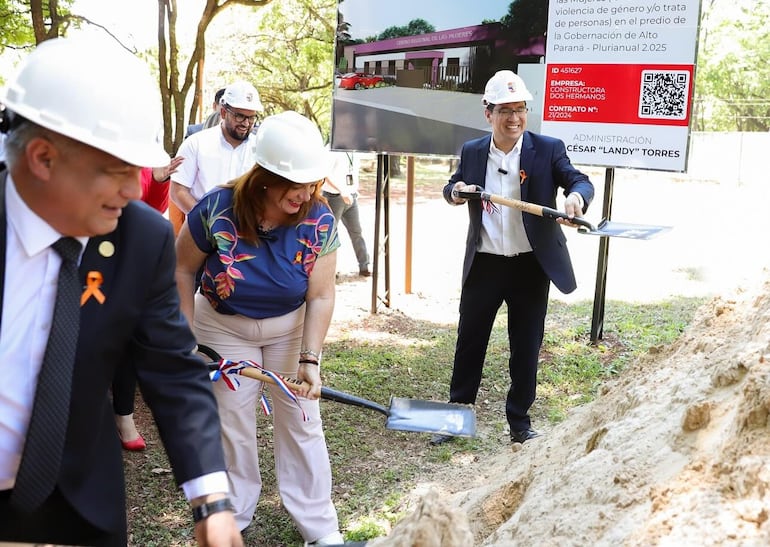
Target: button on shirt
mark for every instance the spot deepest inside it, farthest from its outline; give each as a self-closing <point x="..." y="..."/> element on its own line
<point x="210" y="160"/>
<point x="502" y="231"/>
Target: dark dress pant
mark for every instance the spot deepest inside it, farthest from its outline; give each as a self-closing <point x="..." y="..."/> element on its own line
<point x="124" y="389"/>
<point x="518" y="281"/>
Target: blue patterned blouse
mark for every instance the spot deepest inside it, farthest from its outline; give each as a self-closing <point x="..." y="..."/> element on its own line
<point x="262" y="281"/>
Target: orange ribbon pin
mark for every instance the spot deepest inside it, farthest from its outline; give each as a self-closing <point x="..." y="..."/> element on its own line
<point x="93" y="283"/>
<point x="523" y="176"/>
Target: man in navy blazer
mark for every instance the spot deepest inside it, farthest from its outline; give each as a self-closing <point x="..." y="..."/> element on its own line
<point x="510" y="256"/>
<point x="74" y="159"/>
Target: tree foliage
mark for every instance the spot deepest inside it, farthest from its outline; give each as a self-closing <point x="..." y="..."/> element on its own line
<point x="16" y="29"/>
<point x="526" y="19"/>
<point x="343" y="38"/>
<point x="26" y="23"/>
<point x="414" y="27"/>
<point x="733" y="70"/>
<point x="174" y="84"/>
<point x="290" y="58"/>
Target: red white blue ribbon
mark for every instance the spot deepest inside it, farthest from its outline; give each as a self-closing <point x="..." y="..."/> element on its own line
<point x="229" y="371"/>
<point x="490" y="207"/>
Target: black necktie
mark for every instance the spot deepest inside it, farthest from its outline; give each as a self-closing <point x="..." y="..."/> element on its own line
<point x="43" y="448"/>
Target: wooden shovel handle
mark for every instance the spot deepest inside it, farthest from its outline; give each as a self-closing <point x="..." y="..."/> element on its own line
<point x="527" y="207"/>
<point x="294" y="384"/>
<point x="257" y="374"/>
<point x="252" y="372"/>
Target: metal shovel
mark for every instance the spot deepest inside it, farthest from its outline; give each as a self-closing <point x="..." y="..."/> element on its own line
<point x="403" y="414"/>
<point x="605" y="228"/>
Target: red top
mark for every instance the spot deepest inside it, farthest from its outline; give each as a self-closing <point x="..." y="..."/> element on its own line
<point x="154" y="194"/>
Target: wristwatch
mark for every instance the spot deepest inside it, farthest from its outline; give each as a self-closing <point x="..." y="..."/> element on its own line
<point x="205" y="510"/>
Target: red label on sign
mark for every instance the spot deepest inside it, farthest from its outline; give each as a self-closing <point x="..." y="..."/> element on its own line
<point x="606" y="93"/>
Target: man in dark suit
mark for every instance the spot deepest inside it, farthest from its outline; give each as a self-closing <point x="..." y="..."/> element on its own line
<point x="74" y="159"/>
<point x="511" y="257"/>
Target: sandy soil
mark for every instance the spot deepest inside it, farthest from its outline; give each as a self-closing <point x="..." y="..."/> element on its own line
<point x="676" y="450"/>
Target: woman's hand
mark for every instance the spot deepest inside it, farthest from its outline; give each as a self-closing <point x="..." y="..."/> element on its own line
<point x="310" y="373"/>
<point x="162" y="174"/>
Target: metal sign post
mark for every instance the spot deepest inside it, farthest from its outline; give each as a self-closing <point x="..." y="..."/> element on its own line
<point x="597" y="319"/>
<point x="381" y="212"/>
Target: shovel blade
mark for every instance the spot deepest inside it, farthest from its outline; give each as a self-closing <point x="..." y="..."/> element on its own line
<point x="431" y="417"/>
<point x="608" y="228"/>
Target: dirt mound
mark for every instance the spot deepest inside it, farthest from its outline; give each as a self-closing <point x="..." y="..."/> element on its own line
<point x="674" y="452"/>
<point x="434" y="523"/>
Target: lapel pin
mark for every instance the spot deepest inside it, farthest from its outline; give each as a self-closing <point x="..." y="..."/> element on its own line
<point x="93" y="286"/>
<point x="106" y="249"/>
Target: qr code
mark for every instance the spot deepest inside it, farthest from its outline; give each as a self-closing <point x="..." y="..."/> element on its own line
<point x="664" y="94"/>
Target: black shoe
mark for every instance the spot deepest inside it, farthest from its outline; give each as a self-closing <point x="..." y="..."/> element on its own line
<point x="364" y="272"/>
<point x="438" y="439"/>
<point x="523" y="435"/>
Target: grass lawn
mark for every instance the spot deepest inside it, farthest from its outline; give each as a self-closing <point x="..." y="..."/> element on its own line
<point x="375" y="468"/>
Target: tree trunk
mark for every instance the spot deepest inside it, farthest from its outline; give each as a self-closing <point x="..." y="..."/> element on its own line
<point x="173" y="90"/>
<point x="38" y="14"/>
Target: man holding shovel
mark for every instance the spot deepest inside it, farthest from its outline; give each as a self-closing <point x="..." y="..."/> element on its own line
<point x="511" y="257"/>
<point x="88" y="287"/>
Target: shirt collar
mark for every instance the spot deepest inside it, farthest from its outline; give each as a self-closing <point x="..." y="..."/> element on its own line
<point x="516" y="147"/>
<point x="34" y="234"/>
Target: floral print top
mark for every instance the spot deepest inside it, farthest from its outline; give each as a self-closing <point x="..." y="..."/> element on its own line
<point x="262" y="281"/>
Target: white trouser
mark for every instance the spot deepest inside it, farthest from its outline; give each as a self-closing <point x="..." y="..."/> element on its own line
<point x="302" y="463"/>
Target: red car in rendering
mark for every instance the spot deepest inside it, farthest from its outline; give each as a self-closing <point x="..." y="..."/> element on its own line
<point x="360" y="80"/>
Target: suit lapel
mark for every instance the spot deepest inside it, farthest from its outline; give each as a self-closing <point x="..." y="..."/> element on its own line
<point x="3" y="238"/>
<point x="482" y="153"/>
<point x="98" y="269"/>
<point x="526" y="163"/>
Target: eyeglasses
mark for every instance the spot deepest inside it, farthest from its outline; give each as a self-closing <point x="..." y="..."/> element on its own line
<point x="507" y="112"/>
<point x="240" y="118"/>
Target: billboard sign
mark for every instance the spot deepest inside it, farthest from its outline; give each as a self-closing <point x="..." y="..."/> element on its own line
<point x="410" y="75"/>
<point x="619" y="80"/>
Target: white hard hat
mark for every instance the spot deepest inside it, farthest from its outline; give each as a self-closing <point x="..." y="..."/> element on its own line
<point x="290" y="145"/>
<point x="505" y="87"/>
<point x="241" y="95"/>
<point x="93" y="92"/>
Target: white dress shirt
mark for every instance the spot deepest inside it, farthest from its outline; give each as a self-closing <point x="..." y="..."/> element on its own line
<point x="30" y="292"/>
<point x="502" y="231"/>
<point x="209" y="160"/>
<point x="345" y="164"/>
